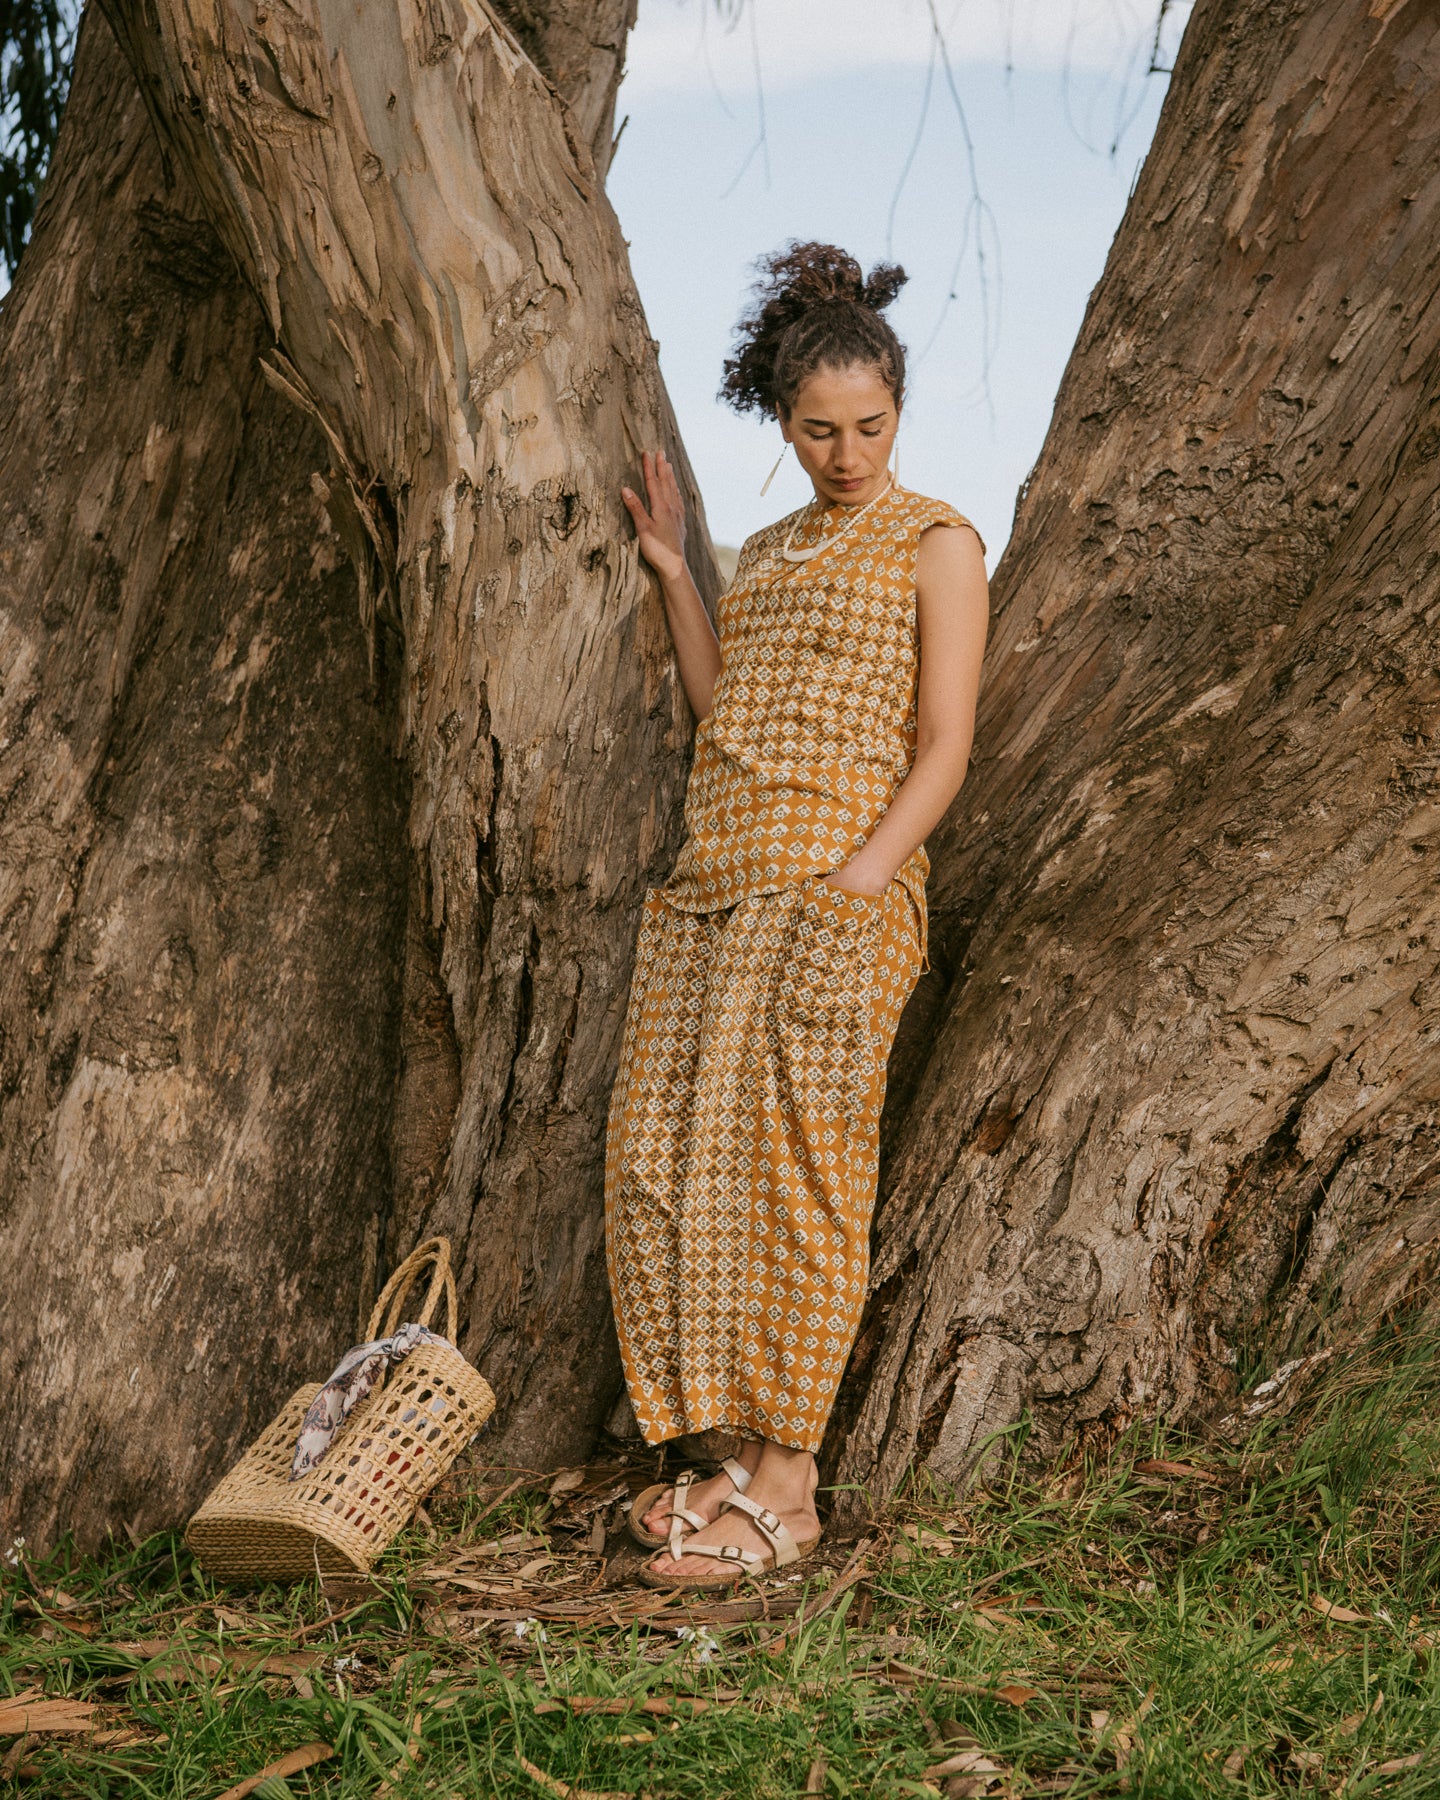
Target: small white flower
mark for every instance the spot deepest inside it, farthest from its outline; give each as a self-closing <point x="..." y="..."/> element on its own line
<point x="524" y="1628"/>
<point x="705" y="1646"/>
<point x="12" y="1555"/>
<point x="342" y="1663"/>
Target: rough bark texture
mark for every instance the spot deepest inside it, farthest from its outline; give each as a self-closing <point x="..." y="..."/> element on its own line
<point x="450" y="299"/>
<point x="1173" y="1084"/>
<point x="200" y="821"/>
<point x="580" y="46"/>
<point x="226" y="1054"/>
<point x="270" y="989"/>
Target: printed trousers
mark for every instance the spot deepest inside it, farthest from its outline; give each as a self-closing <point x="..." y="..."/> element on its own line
<point x="742" y="1152"/>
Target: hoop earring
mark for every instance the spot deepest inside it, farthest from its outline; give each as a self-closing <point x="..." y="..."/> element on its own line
<point x="775" y="471"/>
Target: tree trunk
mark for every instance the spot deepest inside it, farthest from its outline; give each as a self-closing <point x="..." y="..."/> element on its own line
<point x="451" y="301"/>
<point x="410" y="996"/>
<point x="1171" y="1088"/>
<point x="1172" y="1082"/>
<point x="200" y="819"/>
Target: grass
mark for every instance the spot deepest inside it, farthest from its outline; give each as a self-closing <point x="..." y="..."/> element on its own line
<point x="1236" y="1616"/>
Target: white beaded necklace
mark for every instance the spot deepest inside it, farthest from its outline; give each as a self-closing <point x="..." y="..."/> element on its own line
<point x="792" y="555"/>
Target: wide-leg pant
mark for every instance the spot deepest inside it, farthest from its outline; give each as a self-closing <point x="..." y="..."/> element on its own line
<point x="741" y="1155"/>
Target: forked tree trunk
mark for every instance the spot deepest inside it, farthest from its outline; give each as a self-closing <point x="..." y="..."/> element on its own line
<point x="458" y="321"/>
<point x="1173" y="1084"/>
<point x="1173" y="1080"/>
<point x="200" y="819"/>
<point x="451" y="302"/>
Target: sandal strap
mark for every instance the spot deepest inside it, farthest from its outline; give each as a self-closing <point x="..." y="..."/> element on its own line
<point x="737" y="1472"/>
<point x="680" y="1514"/>
<point x="679" y="1518"/>
<point x="770" y="1526"/>
<point x="746" y="1559"/>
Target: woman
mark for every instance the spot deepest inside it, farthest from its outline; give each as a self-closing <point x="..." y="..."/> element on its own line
<point x="836" y="709"/>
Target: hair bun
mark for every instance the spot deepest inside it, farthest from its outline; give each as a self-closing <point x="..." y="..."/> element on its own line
<point x="882" y="284"/>
<point x="815" y="307"/>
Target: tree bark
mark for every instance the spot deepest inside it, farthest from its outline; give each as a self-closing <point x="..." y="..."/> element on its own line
<point x="277" y="991"/>
<point x="446" y="297"/>
<point x="200" y="820"/>
<point x="1171" y="1089"/>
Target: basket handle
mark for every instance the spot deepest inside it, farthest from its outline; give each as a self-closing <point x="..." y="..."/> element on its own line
<point x="386" y="1316"/>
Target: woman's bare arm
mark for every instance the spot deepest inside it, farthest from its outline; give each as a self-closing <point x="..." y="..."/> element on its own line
<point x="953" y="611"/>
<point x="660" y="528"/>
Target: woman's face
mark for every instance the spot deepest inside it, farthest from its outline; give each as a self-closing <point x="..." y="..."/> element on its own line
<point x="842" y="425"/>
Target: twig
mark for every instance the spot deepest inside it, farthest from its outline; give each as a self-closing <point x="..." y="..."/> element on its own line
<point x="407" y="1759"/>
<point x="319" y="1625"/>
<point x="291" y="1764"/>
<point x="849" y="1575"/>
<point x="501" y="1498"/>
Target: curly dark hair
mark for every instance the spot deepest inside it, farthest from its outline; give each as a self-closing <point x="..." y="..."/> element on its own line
<point x="814" y="310"/>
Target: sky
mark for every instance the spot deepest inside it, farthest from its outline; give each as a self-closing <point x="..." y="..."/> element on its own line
<point x="746" y="123"/>
<point x="810" y="119"/>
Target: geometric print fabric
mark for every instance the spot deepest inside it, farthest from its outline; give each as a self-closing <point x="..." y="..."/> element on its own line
<point x="813" y="723"/>
<point x="742" y="1153"/>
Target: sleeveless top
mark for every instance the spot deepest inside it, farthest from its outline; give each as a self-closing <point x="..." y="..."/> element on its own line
<point x="813" y="724"/>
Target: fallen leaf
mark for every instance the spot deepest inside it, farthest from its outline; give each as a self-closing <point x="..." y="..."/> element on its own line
<point x="963" y="1762"/>
<point x="1176" y="1471"/>
<point x="1098" y="1722"/>
<point x="14" y="1756"/>
<point x="1307" y="1759"/>
<point x="61" y="1601"/>
<point x="1352" y="1722"/>
<point x="1122" y="1744"/>
<point x="145" y="1648"/>
<point x="1016" y="1693"/>
<point x="472" y="1553"/>
<point x="953" y="1732"/>
<point x="1342" y="1615"/>
<point x="815" y="1779"/>
<point x="1235" y="1762"/>
<point x="289" y="1764"/>
<point x="924" y="1539"/>
<point x="566" y="1481"/>
<point x="658" y="1706"/>
<point x="30" y="1712"/>
<point x="563" y="1790"/>
<point x="1397" y="1763"/>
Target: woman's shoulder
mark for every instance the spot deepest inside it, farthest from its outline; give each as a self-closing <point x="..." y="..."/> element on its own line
<point x="921" y="511"/>
<point x="766" y="541"/>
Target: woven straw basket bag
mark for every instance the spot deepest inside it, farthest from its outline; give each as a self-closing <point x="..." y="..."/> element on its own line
<point x="257" y="1525"/>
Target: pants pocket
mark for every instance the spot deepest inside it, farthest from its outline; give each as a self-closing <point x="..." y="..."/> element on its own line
<point x="823" y="1002"/>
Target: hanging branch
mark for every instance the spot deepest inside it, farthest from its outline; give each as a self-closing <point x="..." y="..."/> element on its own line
<point x="37" y="38"/>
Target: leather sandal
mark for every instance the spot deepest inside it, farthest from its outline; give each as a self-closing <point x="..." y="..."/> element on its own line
<point x="746" y="1564"/>
<point x="680" y="1514"/>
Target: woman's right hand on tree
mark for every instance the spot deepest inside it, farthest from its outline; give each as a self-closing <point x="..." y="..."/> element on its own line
<point x="660" y="527"/>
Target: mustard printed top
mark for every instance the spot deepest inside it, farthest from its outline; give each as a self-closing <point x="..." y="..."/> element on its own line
<point x="813" y="725"/>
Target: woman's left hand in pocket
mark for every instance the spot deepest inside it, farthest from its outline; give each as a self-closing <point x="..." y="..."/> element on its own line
<point x="854" y="878"/>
